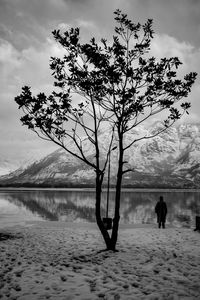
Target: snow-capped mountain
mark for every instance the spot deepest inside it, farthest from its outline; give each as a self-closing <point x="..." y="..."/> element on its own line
<point x="10" y="163"/>
<point x="7" y="166"/>
<point x="171" y="159"/>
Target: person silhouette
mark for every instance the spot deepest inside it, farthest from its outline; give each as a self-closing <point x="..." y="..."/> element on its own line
<point x="161" y="211"/>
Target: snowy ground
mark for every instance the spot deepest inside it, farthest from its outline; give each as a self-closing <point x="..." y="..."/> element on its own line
<point x="51" y="260"/>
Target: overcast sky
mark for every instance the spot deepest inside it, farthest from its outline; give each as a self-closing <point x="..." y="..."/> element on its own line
<point x="26" y="44"/>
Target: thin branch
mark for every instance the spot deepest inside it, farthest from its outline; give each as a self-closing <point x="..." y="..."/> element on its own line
<point x="109" y="150"/>
<point x="40" y="136"/>
<point x="72" y="153"/>
<point x="128" y="170"/>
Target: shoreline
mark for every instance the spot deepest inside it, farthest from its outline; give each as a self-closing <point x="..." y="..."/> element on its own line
<point x="84" y="189"/>
<point x="89" y="225"/>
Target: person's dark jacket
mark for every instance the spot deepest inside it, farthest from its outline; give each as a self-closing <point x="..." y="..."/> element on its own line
<point x="161" y="211"/>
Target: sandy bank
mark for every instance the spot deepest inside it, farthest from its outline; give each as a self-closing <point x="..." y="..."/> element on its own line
<point x="51" y="260"/>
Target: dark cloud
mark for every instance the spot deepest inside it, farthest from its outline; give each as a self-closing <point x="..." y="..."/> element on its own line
<point x="36" y="19"/>
<point x="178" y="18"/>
<point x="78" y="2"/>
<point x="5" y="32"/>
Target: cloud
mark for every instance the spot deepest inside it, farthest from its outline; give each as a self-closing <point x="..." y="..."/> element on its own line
<point x="164" y="45"/>
<point x="179" y="18"/>
<point x="167" y="46"/>
<point x="27" y="67"/>
<point x="31" y="67"/>
<point x="86" y="24"/>
<point x="10" y="64"/>
<point x="78" y="2"/>
<point x="5" y="32"/>
<point x="9" y="55"/>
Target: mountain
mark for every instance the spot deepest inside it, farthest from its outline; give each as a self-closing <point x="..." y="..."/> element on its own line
<point x="10" y="163"/>
<point x="7" y="166"/>
<point x="171" y="159"/>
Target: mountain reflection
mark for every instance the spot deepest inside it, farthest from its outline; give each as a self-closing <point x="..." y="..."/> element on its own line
<point x="136" y="207"/>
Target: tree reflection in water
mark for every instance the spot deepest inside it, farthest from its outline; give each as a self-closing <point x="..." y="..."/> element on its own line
<point x="136" y="207"/>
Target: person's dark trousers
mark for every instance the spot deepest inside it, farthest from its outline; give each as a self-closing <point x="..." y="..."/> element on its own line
<point x="163" y="225"/>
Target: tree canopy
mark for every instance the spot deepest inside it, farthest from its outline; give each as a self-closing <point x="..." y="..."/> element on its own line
<point x="117" y="83"/>
<point x="125" y="87"/>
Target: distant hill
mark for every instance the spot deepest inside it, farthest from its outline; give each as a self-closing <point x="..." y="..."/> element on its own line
<point x="171" y="159"/>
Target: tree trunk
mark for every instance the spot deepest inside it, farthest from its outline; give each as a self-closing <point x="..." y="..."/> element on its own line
<point x="104" y="232"/>
<point x="110" y="241"/>
<point x="117" y="210"/>
<point x="117" y="196"/>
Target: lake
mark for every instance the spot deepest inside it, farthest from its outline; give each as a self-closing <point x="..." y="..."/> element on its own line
<point x="137" y="206"/>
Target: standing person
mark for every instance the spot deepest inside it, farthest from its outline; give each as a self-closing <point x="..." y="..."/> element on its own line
<point x="161" y="211"/>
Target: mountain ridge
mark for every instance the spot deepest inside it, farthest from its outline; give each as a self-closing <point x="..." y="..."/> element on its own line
<point x="170" y="160"/>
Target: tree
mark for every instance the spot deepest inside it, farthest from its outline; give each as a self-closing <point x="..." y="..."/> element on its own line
<point x="118" y="84"/>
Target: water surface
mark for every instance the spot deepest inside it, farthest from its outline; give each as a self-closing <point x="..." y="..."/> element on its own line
<point x="137" y="207"/>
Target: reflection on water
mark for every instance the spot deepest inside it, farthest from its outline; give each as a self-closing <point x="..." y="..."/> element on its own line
<point x="136" y="207"/>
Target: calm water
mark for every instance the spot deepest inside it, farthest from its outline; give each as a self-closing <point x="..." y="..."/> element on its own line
<point x="18" y="207"/>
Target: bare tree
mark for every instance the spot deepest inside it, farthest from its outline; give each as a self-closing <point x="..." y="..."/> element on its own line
<point x="119" y="86"/>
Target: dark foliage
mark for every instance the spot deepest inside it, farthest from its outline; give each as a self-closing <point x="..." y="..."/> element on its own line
<point x="118" y="83"/>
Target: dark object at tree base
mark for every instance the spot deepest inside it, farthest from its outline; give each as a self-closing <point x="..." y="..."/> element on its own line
<point x="107" y="223"/>
<point x="197" y="223"/>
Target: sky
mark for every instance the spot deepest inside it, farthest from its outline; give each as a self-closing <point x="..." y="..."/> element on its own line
<point x="26" y="45"/>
